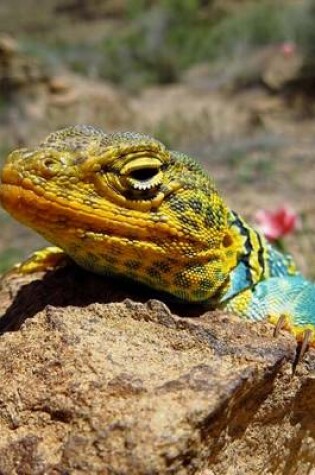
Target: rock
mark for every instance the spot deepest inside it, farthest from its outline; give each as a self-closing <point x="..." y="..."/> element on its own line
<point x="18" y="69"/>
<point x="59" y="84"/>
<point x="283" y="66"/>
<point x="273" y="66"/>
<point x="211" y="117"/>
<point x="97" y="380"/>
<point x="90" y="10"/>
<point x="79" y="100"/>
<point x="8" y="45"/>
<point x="38" y="99"/>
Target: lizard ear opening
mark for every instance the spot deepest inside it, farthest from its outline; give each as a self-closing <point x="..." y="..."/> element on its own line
<point x="227" y="240"/>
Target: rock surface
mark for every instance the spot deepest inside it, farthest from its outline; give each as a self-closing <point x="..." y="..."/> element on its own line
<point x="97" y="380"/>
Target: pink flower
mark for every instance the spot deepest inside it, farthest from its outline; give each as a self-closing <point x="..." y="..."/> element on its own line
<point x="288" y="48"/>
<point x="276" y="224"/>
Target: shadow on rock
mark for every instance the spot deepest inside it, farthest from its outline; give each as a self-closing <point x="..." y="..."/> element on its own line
<point x="71" y="285"/>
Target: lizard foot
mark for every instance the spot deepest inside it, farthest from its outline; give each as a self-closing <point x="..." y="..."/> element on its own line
<point x="45" y="259"/>
<point x="304" y="339"/>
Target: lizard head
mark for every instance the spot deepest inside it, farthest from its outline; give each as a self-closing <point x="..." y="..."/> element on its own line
<point x="123" y="203"/>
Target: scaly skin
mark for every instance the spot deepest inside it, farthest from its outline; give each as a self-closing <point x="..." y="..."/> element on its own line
<point x="123" y="204"/>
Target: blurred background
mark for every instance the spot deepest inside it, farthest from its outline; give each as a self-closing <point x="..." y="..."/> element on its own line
<point x="231" y="82"/>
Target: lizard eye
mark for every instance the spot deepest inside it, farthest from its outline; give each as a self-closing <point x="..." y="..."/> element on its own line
<point x="144" y="178"/>
<point x="134" y="179"/>
<point x="144" y="174"/>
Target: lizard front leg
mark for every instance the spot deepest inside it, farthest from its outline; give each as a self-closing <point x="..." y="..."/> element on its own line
<point x="45" y="259"/>
<point x="21" y="307"/>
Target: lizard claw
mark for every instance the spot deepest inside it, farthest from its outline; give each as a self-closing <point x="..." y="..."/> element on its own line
<point x="305" y="341"/>
<point x="304" y="347"/>
<point x="280" y="325"/>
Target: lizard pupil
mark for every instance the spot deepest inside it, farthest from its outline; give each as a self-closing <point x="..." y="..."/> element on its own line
<point x="143" y="174"/>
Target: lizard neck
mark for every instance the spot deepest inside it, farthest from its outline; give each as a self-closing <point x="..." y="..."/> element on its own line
<point x="257" y="259"/>
<point x="252" y="260"/>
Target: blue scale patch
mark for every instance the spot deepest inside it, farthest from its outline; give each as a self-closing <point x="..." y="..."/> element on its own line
<point x="239" y="280"/>
<point x="279" y="264"/>
<point x="292" y="295"/>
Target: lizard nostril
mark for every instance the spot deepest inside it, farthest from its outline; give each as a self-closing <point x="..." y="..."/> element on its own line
<point x="49" y="162"/>
<point x="49" y="167"/>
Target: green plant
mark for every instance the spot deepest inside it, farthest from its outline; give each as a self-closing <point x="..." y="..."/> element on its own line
<point x="8" y="258"/>
<point x="156" y="40"/>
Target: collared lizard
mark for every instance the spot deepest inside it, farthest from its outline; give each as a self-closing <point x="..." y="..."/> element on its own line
<point x="124" y="204"/>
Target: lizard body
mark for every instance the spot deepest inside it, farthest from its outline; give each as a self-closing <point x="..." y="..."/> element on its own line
<point x="124" y="204"/>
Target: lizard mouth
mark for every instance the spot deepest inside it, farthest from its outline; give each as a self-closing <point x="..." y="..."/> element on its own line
<point x="54" y="216"/>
